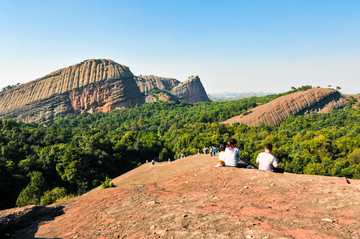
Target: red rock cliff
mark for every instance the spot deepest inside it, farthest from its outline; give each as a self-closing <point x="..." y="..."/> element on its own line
<point x="90" y="86"/>
<point x="190" y="90"/>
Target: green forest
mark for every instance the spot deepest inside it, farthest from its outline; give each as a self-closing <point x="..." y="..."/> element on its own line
<point x="39" y="165"/>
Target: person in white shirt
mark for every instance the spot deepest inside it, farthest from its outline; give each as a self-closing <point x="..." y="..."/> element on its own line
<point x="232" y="154"/>
<point x="267" y="161"/>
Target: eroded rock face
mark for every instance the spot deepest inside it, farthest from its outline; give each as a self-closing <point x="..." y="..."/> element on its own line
<point x="147" y="84"/>
<point x="190" y="90"/>
<point x="171" y="89"/>
<point x="90" y="86"/>
<point x="319" y="100"/>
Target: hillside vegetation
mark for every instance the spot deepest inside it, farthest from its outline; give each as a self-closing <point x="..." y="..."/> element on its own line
<point x="42" y="164"/>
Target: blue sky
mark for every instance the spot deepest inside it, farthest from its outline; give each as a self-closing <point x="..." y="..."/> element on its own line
<point x="238" y="46"/>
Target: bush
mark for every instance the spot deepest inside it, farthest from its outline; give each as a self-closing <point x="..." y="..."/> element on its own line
<point x="107" y="183"/>
<point x="34" y="190"/>
<point x="52" y="196"/>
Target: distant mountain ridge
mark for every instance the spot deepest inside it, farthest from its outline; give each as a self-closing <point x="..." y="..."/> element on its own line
<point x="320" y="100"/>
<point x="90" y="86"/>
<point x="226" y="96"/>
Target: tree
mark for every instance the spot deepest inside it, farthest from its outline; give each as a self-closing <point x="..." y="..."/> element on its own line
<point x="34" y="190"/>
<point x="354" y="157"/>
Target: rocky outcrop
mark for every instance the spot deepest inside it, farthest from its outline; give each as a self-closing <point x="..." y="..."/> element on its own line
<point x="190" y="90"/>
<point x="190" y="198"/>
<point x="319" y="100"/>
<point x="171" y="89"/>
<point x="91" y="86"/>
<point x="160" y="96"/>
<point x="156" y="88"/>
<point x="147" y="84"/>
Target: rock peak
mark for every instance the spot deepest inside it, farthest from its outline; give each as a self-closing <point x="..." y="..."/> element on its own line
<point x="77" y="88"/>
<point x="93" y="85"/>
<point x="192" y="79"/>
<point x="191" y="90"/>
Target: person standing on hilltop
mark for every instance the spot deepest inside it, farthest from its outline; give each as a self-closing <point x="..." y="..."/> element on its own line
<point x="205" y="149"/>
<point x="267" y="161"/>
<point x="214" y="151"/>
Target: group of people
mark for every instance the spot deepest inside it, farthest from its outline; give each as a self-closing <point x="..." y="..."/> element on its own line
<point x="229" y="156"/>
<point x="212" y="150"/>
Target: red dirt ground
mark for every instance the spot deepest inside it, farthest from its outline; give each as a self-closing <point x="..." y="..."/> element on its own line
<point x="190" y="198"/>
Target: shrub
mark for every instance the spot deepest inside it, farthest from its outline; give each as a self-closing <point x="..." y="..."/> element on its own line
<point x="52" y="196"/>
<point x="107" y="183"/>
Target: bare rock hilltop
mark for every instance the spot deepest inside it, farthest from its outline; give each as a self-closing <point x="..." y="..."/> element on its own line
<point x="90" y="86"/>
<point x="147" y="84"/>
<point x="190" y="198"/>
<point x="320" y="100"/>
<point x="191" y="90"/>
<point x="171" y="89"/>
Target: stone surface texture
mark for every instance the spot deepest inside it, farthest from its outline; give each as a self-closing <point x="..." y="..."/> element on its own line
<point x="320" y="100"/>
<point x="190" y="198"/>
<point x="147" y="84"/>
<point x="91" y="86"/>
<point x="190" y="90"/>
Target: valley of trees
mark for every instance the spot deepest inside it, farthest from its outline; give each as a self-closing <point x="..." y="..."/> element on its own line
<point x="78" y="152"/>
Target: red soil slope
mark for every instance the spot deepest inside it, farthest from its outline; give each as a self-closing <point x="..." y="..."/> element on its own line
<point x="190" y="198"/>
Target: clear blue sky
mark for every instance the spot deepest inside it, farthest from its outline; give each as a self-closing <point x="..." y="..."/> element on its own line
<point x="252" y="45"/>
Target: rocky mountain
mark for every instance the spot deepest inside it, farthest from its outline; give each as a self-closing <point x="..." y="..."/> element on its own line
<point x="171" y="89"/>
<point x="320" y="100"/>
<point x="190" y="90"/>
<point x="156" y="88"/>
<point x="190" y="198"/>
<point x="90" y="86"/>
<point x="147" y="84"/>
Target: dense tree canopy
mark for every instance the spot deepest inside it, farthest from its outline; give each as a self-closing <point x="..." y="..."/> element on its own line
<point x="41" y="164"/>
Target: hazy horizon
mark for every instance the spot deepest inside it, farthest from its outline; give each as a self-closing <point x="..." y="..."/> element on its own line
<point x="234" y="46"/>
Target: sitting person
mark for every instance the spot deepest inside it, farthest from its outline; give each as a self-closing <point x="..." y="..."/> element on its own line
<point x="267" y="161"/>
<point x="221" y="161"/>
<point x="232" y="155"/>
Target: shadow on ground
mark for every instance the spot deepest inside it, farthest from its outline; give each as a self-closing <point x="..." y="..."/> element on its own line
<point x="25" y="223"/>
